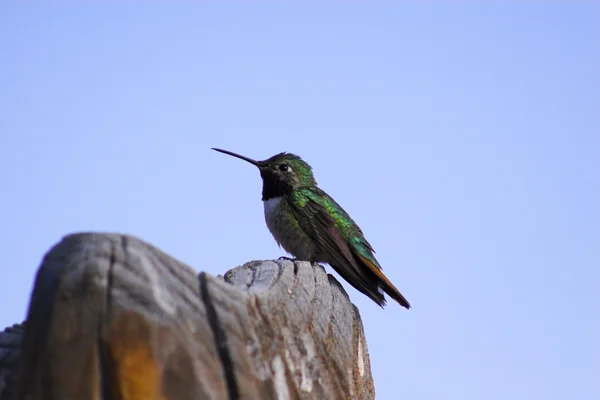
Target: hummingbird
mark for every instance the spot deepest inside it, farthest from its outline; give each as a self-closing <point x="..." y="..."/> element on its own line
<point x="312" y="226"/>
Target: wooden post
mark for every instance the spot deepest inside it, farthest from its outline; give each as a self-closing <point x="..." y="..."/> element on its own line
<point x="112" y="317"/>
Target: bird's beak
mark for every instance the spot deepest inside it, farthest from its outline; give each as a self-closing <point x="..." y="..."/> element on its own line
<point x="251" y="161"/>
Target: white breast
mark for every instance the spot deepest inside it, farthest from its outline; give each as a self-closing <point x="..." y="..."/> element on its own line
<point x="280" y="222"/>
<point x="271" y="207"/>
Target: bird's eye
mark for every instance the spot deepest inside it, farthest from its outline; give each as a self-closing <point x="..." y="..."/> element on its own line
<point x="284" y="167"/>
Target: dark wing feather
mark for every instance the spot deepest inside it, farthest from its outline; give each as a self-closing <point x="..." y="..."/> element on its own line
<point x="317" y="222"/>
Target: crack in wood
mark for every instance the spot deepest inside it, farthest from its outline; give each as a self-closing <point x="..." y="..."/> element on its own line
<point x="253" y="277"/>
<point x="104" y="357"/>
<point x="220" y="339"/>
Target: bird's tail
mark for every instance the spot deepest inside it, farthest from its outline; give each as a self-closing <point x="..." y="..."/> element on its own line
<point x="385" y="284"/>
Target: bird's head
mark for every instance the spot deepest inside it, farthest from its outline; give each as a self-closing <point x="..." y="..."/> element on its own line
<point x="281" y="174"/>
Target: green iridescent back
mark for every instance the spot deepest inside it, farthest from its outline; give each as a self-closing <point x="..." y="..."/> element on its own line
<point x="343" y="223"/>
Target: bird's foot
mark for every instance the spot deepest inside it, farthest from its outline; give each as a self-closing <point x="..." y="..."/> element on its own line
<point x="287" y="258"/>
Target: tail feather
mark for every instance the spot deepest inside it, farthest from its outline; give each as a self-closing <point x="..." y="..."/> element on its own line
<point x="384" y="283"/>
<point x="364" y="284"/>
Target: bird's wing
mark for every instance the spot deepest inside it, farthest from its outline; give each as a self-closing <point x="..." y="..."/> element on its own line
<point x="321" y="217"/>
<point x="338" y="236"/>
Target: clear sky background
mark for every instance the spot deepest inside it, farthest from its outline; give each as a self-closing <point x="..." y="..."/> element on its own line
<point x="464" y="140"/>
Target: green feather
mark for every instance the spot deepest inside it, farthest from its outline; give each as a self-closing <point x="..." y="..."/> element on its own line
<point x="350" y="231"/>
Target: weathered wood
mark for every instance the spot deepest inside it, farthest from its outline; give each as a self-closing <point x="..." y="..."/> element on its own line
<point x="113" y="317"/>
<point x="10" y="357"/>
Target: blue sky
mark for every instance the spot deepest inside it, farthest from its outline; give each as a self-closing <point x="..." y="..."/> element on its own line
<point x="464" y="140"/>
